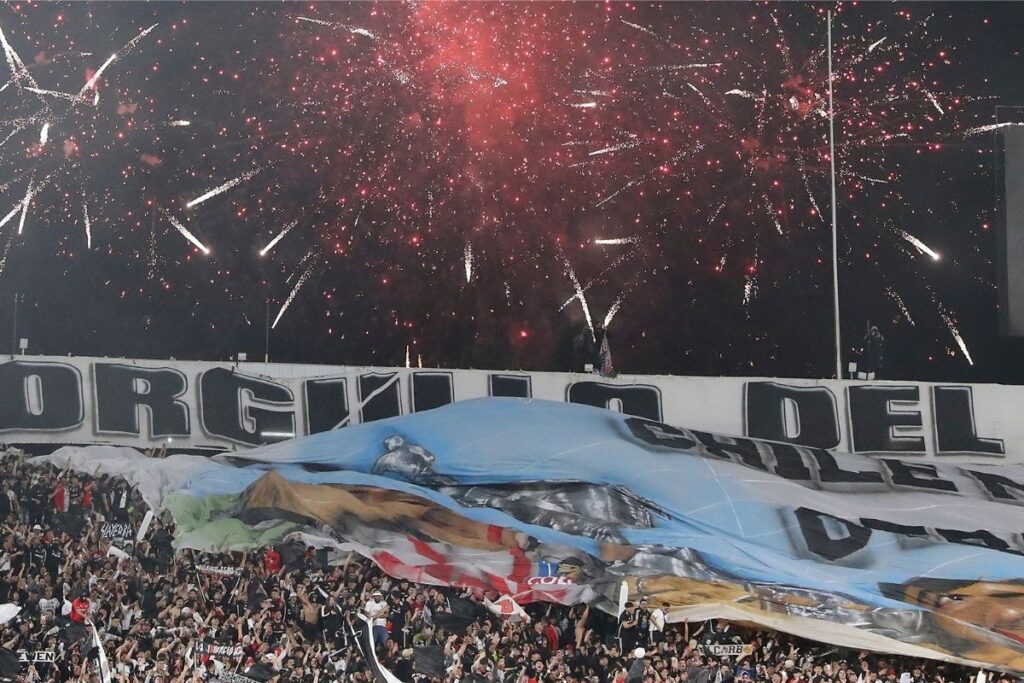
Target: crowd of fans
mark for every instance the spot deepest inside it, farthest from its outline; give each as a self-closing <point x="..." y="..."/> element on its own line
<point x="90" y="592"/>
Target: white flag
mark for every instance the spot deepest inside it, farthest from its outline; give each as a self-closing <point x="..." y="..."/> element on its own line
<point x="507" y="608"/>
<point x="623" y="598"/>
<point x="8" y="612"/>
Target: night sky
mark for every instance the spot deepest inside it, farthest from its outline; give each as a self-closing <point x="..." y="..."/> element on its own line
<point x="484" y="183"/>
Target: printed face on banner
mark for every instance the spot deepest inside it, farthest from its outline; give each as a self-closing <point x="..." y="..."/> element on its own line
<point x="548" y="501"/>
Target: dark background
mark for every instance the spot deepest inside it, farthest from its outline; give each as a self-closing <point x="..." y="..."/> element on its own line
<point x="456" y="124"/>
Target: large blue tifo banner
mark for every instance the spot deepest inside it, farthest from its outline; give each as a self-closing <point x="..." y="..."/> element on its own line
<point x="553" y="501"/>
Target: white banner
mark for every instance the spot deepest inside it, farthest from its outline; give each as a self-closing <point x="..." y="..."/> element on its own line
<point x="225" y="406"/>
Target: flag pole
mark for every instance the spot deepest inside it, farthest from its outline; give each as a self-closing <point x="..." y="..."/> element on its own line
<point x="835" y="249"/>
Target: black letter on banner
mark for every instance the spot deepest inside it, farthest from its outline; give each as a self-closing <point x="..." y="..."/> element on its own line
<point x="637" y="399"/>
<point x="831" y="473"/>
<point x="225" y="415"/>
<point x="906" y="474"/>
<point x="998" y="486"/>
<point x="873" y="423"/>
<point x="893" y="528"/>
<point x="43" y="396"/>
<point x="985" y="539"/>
<point x="657" y="434"/>
<point x="431" y="390"/>
<point x="819" y="542"/>
<point x="817" y="418"/>
<point x="123" y="391"/>
<point x="385" y="404"/>
<point x="326" y="404"/>
<point x="514" y="386"/>
<point x="741" y="451"/>
<point x="955" y="428"/>
<point x="788" y="463"/>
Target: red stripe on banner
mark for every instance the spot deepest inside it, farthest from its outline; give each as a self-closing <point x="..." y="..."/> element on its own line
<point x="424" y="549"/>
<point x="494" y="533"/>
<point x="442" y="572"/>
<point x="388" y="562"/>
<point x="521" y="565"/>
<point x="498" y="583"/>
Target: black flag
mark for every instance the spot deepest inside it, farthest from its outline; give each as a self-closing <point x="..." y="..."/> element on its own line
<point x="10" y="667"/>
<point x="429" y="659"/>
<point x="260" y="672"/>
<point x="380" y="674"/>
<point x="463" y="613"/>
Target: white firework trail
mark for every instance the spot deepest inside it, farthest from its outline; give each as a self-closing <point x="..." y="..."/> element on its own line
<point x="616" y="305"/>
<point x="619" y="191"/>
<point x="919" y="245"/>
<point x="277" y="238"/>
<point x="71" y="97"/>
<point x="309" y="254"/>
<point x="336" y="24"/>
<point x="180" y="123"/>
<point x="615" y="148"/>
<point x="295" y="290"/>
<point x="894" y="295"/>
<point x="580" y="295"/>
<point x="7" y="253"/>
<point x="88" y="225"/>
<point x="44" y="134"/>
<point x="707" y="102"/>
<point x="935" y="102"/>
<point x="956" y="336"/>
<point x="978" y="130"/>
<point x="19" y="72"/>
<point x="717" y="211"/>
<point x="24" y="213"/>
<point x="741" y="93"/>
<point x="585" y="105"/>
<point x="638" y="27"/>
<point x="91" y="83"/>
<point x="179" y="226"/>
<point x="220" y="189"/>
<point x="14" y="212"/>
<point x="618" y="261"/>
<point x="632" y="240"/>
<point x="810" y="195"/>
<point x="31" y="192"/>
<point x="876" y="44"/>
<point x="5" y="185"/>
<point x="611" y="241"/>
<point x="683" y="67"/>
<point x="770" y="210"/>
<point x="749" y="288"/>
<point x="467" y="259"/>
<point x="14" y="132"/>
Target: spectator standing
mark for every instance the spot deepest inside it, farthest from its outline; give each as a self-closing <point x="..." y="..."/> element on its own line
<point x="376" y="610"/>
<point x="627" y="628"/>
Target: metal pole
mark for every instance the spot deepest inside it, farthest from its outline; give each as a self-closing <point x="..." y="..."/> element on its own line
<point x="14" y="328"/>
<point x="266" y="332"/>
<point x="835" y="249"/>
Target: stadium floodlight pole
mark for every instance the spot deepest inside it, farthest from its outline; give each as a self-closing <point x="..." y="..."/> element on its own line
<point x="835" y="232"/>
